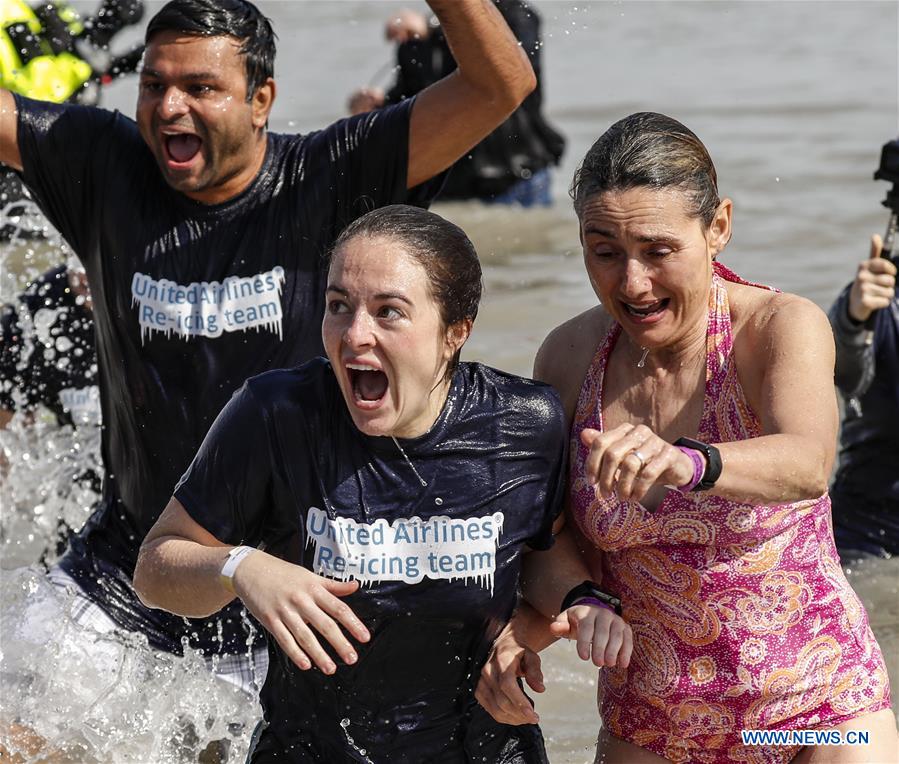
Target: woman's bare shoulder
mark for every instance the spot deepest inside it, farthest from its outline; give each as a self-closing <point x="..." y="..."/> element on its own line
<point x="761" y="311"/>
<point x="565" y="355"/>
<point x="576" y="336"/>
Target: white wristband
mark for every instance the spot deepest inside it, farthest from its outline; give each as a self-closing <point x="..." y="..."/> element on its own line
<point x="234" y="558"/>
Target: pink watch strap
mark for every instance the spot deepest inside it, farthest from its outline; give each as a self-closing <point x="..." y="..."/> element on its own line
<point x="698" y="468"/>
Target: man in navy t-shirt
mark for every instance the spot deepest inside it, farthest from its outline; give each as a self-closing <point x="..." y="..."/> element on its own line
<point x="203" y="237"/>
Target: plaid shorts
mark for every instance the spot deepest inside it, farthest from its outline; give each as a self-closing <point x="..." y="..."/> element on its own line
<point x="245" y="671"/>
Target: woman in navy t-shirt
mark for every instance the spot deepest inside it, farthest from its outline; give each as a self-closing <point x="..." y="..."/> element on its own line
<point x="394" y="491"/>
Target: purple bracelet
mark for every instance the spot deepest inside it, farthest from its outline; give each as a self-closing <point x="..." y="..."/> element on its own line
<point x="698" y="468"/>
<point x="592" y="601"/>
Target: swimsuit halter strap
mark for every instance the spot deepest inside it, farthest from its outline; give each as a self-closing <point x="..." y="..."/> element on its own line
<point x="719" y="344"/>
<point x="719" y="334"/>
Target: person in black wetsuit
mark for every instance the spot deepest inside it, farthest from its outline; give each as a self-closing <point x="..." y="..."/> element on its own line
<point x="202" y="235"/>
<point x="865" y="492"/>
<point x="512" y="164"/>
<point x="413" y="485"/>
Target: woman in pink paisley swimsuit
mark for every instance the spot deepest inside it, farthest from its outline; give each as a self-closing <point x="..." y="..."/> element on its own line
<point x="741" y="616"/>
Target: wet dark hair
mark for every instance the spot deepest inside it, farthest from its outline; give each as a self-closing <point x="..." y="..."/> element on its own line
<point x="440" y="247"/>
<point x="224" y="18"/>
<point x="649" y="149"/>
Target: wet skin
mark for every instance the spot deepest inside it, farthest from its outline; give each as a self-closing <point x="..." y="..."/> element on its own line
<point x="650" y="263"/>
<point x="381" y="320"/>
<point x="192" y="112"/>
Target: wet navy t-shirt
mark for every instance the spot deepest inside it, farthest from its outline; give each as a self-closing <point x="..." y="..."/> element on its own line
<point x="190" y="300"/>
<point x="284" y="466"/>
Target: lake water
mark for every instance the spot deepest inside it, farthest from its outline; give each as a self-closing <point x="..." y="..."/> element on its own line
<point x="793" y="100"/>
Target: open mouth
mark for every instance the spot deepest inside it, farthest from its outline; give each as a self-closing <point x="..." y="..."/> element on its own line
<point x="369" y="384"/>
<point x="646" y="311"/>
<point x="181" y="148"/>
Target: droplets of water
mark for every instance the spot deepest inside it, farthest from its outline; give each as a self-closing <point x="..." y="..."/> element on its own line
<point x="572" y="22"/>
<point x="50" y="485"/>
<point x="104" y="697"/>
<point x="344" y="724"/>
<point x="94" y="696"/>
<point x="28" y="244"/>
<point x="47" y="484"/>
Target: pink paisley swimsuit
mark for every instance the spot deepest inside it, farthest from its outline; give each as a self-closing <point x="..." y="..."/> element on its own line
<point x="741" y="614"/>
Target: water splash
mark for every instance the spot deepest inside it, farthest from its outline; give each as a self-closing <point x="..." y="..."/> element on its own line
<point x="29" y="245"/>
<point x="111" y="698"/>
<point x="108" y="697"/>
<point x="48" y="487"/>
<point x="45" y="468"/>
<point x="48" y="472"/>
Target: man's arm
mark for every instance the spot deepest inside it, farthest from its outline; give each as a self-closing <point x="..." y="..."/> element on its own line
<point x="492" y="79"/>
<point x="9" y="141"/>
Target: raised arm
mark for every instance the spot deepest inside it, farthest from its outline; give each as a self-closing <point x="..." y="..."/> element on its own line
<point x="492" y="79"/>
<point x="9" y="141"/>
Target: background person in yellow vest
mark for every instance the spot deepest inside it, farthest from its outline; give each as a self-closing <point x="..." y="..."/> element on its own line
<point x="29" y="62"/>
<point x="46" y="52"/>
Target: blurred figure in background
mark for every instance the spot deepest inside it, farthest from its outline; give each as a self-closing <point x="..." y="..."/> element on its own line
<point x="52" y="318"/>
<point x="865" y="493"/>
<point x="511" y="165"/>
<point x="47" y="52"/>
<point x="48" y="387"/>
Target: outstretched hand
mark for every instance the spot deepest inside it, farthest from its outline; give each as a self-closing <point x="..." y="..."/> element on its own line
<point x="602" y="636"/>
<point x="293" y="604"/>
<point x="499" y="691"/>
<point x="629" y="460"/>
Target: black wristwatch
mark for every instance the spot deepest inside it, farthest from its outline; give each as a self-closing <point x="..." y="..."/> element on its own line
<point x="589" y="589"/>
<point x="712" y="461"/>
